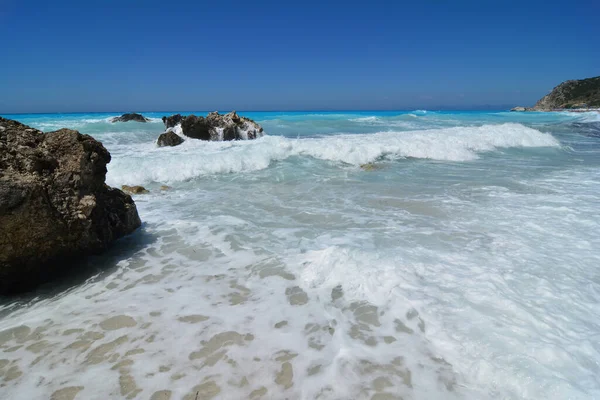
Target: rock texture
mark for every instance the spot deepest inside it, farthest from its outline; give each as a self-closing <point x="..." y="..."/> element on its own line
<point x="54" y="204"/>
<point x="216" y="127"/>
<point x="169" y="138"/>
<point x="130" y="117"/>
<point x="172" y="121"/>
<point x="134" y="189"/>
<point x="583" y="93"/>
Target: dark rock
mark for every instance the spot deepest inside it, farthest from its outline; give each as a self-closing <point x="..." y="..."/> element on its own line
<point x="196" y="127"/>
<point x="169" y="138"/>
<point x="229" y="133"/>
<point x="134" y="189"/>
<point x="54" y="204"/>
<point x="11" y="196"/>
<point x="216" y="127"/>
<point x="130" y="117"/>
<point x="172" y="121"/>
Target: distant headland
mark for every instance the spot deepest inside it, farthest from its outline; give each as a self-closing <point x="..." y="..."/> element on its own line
<point x="573" y="95"/>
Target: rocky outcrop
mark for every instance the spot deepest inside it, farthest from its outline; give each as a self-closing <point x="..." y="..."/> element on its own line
<point x="196" y="128"/>
<point x="130" y="117"/>
<point x="54" y="204"/>
<point x="169" y="138"/>
<point x="583" y="93"/>
<point x="216" y="127"/>
<point x="520" y="109"/>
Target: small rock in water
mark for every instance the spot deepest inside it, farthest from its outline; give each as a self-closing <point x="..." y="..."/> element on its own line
<point x="165" y="187"/>
<point x="370" y="167"/>
<point x="134" y="189"/>
<point x="130" y="117"/>
<point x="169" y="138"/>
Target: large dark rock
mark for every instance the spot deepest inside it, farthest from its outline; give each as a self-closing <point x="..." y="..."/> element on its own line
<point x="216" y="127"/>
<point x="130" y="117"/>
<point x="54" y="204"/>
<point x="197" y="128"/>
<point x="172" y="121"/>
<point x="169" y="138"/>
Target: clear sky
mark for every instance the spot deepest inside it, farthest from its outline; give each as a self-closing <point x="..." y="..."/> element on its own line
<point x="128" y="55"/>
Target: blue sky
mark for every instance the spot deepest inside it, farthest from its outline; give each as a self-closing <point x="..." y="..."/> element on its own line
<point x="67" y="56"/>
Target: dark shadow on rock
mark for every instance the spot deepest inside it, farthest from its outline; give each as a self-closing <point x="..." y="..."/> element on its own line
<point x="79" y="272"/>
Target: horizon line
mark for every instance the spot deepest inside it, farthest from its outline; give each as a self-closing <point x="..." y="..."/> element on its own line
<point x="475" y="108"/>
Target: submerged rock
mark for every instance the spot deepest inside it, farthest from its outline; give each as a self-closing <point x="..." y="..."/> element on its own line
<point x="134" y="189"/>
<point x="54" y="204"/>
<point x="370" y="167"/>
<point x="130" y="117"/>
<point x="169" y="138"/>
<point x="216" y="127"/>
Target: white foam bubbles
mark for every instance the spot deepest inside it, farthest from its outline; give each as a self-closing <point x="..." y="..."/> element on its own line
<point x="337" y="265"/>
<point x="367" y="120"/>
<point x="431" y="280"/>
<point x="194" y="158"/>
<point x="590" y="116"/>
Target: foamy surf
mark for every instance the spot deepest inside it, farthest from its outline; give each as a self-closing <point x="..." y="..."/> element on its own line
<point x="470" y="273"/>
<point x="196" y="158"/>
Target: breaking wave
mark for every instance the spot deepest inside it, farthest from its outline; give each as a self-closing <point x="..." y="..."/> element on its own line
<point x="147" y="163"/>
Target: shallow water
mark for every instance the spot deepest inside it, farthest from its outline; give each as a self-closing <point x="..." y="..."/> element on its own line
<point x="464" y="263"/>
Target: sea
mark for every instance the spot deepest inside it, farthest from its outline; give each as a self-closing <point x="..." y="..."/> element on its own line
<point x="343" y="255"/>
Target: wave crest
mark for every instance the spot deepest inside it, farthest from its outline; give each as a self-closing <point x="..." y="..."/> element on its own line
<point x="196" y="158"/>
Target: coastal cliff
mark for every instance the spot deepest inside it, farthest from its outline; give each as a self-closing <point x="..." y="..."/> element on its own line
<point x="582" y="93"/>
<point x="577" y="95"/>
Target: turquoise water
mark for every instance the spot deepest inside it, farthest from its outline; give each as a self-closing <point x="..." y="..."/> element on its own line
<point x="462" y="264"/>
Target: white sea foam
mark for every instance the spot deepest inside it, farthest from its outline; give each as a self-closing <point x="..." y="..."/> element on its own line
<point x="367" y="120"/>
<point x="592" y="116"/>
<point x="196" y="158"/>
<point x="470" y="279"/>
<point x="68" y="123"/>
<point x="324" y="294"/>
<point x="396" y="120"/>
